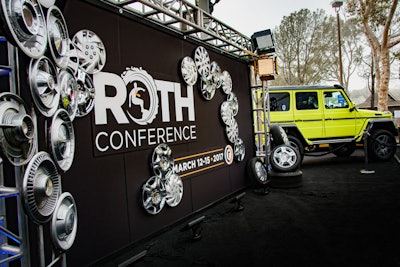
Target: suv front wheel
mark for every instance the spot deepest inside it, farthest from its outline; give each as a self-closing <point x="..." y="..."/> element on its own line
<point x="381" y="145"/>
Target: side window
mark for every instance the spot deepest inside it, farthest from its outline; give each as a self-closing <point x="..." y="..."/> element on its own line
<point x="335" y="99"/>
<point x="279" y="101"/>
<point x="306" y="100"/>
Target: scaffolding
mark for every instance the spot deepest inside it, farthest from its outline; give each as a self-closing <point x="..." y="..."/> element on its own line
<point x="189" y="21"/>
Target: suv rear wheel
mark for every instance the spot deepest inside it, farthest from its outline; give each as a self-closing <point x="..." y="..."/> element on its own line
<point x="381" y="145"/>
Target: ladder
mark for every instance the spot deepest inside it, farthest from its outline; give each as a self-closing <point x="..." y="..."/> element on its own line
<point x="14" y="241"/>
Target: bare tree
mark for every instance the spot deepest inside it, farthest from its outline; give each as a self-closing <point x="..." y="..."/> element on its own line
<point x="381" y="27"/>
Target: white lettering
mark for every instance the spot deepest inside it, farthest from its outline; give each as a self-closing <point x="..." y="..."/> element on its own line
<point x="113" y="103"/>
<point x="101" y="149"/>
<point x="143" y="137"/>
<point x="181" y="102"/>
<point x="164" y="88"/>
<point x="120" y="140"/>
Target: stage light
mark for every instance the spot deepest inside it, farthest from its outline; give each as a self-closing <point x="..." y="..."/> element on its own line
<point x="195" y="227"/>
<point x="238" y="201"/>
<point x="263" y="42"/>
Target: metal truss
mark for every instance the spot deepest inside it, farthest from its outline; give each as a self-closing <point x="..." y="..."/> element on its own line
<point x="190" y="21"/>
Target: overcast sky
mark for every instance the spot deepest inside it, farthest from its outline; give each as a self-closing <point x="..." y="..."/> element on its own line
<point x="249" y="16"/>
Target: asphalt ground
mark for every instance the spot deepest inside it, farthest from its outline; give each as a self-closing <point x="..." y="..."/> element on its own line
<point x="338" y="217"/>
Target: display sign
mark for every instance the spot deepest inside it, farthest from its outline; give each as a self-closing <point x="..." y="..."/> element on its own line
<point x="200" y="162"/>
<point x="128" y="108"/>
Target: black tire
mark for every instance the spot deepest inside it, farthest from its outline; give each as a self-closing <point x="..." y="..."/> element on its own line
<point x="296" y="143"/>
<point x="278" y="134"/>
<point x="286" y="179"/>
<point x="343" y="149"/>
<point x="285" y="158"/>
<point x="381" y="145"/>
<point x="257" y="170"/>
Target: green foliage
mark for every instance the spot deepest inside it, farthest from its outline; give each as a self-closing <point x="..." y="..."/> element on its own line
<point x="303" y="40"/>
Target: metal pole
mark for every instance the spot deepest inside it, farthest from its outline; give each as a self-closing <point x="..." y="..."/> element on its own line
<point x="340" y="47"/>
<point x="265" y="93"/>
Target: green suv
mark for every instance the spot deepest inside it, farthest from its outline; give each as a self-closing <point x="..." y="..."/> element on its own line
<point x="320" y="117"/>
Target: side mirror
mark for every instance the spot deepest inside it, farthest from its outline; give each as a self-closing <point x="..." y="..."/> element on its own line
<point x="352" y="107"/>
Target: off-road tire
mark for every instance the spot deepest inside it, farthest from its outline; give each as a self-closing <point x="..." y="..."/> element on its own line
<point x="286" y="179"/>
<point x="285" y="158"/>
<point x="381" y="145"/>
<point x="254" y="171"/>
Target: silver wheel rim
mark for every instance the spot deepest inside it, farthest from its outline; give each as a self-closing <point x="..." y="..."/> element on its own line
<point x="216" y="74"/>
<point x="162" y="161"/>
<point x="91" y="51"/>
<point x="16" y="131"/>
<point x="239" y="149"/>
<point x="62" y="140"/>
<point x="261" y="172"/>
<point x="58" y="37"/>
<point x="207" y="88"/>
<point x="189" y="71"/>
<point x="202" y="61"/>
<point x="226" y="82"/>
<point x="284" y="157"/>
<point x="47" y="3"/>
<point x="43" y="81"/>
<point x="226" y="112"/>
<point x="64" y="223"/>
<point x="233" y="102"/>
<point x="68" y="92"/>
<point x="73" y="62"/>
<point x="41" y="187"/>
<point x="153" y="195"/>
<point x="27" y="25"/>
<point x="85" y="94"/>
<point x="232" y="131"/>
<point x="174" y="190"/>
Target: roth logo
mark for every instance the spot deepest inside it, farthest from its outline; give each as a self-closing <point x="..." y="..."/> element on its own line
<point x="133" y="97"/>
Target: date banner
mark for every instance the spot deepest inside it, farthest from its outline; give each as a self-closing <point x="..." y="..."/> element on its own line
<point x="204" y="161"/>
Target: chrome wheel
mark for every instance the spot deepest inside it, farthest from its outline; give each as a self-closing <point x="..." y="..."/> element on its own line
<point x="239" y="149"/>
<point x="153" y="195"/>
<point x="189" y="71"/>
<point x="216" y="74"/>
<point x="232" y="131"/>
<point x="207" y="87"/>
<point x="17" y="130"/>
<point x="85" y="94"/>
<point x="64" y="223"/>
<point x="62" y="140"/>
<point x="57" y="33"/>
<point x="233" y="102"/>
<point x="26" y="25"/>
<point x="226" y="82"/>
<point x="91" y="51"/>
<point x="162" y="161"/>
<point x="41" y="187"/>
<point x="174" y="190"/>
<point x="285" y="158"/>
<point x="43" y="81"/>
<point x="68" y="92"/>
<point x="226" y="112"/>
<point x="202" y="61"/>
